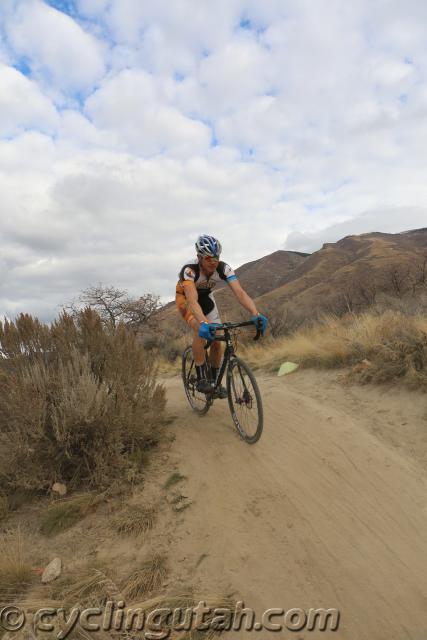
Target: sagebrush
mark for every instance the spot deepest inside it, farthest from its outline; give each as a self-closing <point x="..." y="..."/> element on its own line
<point x="79" y="399"/>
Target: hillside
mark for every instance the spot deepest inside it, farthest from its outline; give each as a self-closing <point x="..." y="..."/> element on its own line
<point x="342" y="276"/>
<point x="351" y="272"/>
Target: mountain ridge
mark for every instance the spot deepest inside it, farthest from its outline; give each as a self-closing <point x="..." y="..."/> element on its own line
<point x="346" y="274"/>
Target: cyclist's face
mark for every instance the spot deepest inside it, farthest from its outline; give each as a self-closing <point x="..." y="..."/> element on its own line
<point x="209" y="263"/>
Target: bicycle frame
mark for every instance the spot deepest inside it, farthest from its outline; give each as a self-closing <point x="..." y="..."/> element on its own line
<point x="229" y="352"/>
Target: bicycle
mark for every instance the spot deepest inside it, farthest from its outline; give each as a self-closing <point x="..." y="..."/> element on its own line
<point x="244" y="398"/>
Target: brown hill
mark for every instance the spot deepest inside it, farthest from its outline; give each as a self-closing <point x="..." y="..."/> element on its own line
<point x="351" y="273"/>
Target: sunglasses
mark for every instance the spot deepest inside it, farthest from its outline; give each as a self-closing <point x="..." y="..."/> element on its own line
<point x="212" y="258"/>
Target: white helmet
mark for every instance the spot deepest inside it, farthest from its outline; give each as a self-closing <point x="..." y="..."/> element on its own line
<point x="208" y="246"/>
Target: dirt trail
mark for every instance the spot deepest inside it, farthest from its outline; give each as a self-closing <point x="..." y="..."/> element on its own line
<point x="327" y="510"/>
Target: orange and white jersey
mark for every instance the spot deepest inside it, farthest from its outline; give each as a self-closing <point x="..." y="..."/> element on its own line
<point x="192" y="273"/>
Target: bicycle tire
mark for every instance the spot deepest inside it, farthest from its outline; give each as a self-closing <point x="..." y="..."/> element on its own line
<point x="199" y="402"/>
<point x="241" y="399"/>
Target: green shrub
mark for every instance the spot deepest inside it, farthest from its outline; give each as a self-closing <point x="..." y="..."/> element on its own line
<point x="78" y="399"/>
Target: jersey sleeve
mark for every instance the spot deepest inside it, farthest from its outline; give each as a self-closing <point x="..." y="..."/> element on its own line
<point x="188" y="276"/>
<point x="229" y="273"/>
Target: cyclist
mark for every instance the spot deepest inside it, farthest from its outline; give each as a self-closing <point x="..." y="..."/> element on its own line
<point x="196" y="304"/>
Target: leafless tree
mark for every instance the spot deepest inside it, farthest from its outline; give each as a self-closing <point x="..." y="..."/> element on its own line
<point x="367" y="290"/>
<point x="420" y="276"/>
<point x="281" y="320"/>
<point x="398" y="279"/>
<point x="115" y="305"/>
<point x="139" y="311"/>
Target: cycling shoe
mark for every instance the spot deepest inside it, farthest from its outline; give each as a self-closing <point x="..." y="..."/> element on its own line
<point x="204" y="386"/>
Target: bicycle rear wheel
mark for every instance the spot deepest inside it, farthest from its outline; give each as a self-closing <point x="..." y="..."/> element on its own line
<point x="199" y="402"/>
<point x="244" y="400"/>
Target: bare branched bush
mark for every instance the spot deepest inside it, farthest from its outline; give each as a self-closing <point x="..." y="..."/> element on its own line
<point x="115" y="305"/>
<point x="78" y="399"/>
<point x="166" y="343"/>
<point x="281" y="319"/>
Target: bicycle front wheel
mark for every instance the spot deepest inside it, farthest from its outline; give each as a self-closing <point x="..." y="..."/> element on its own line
<point x="199" y="402"/>
<point x="244" y="400"/>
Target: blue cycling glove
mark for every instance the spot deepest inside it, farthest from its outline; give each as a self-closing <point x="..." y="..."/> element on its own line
<point x="207" y="331"/>
<point x="263" y="320"/>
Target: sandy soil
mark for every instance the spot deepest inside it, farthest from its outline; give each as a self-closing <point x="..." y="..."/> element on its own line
<point x="328" y="509"/>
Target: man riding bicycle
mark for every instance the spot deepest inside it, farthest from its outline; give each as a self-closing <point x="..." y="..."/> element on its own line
<point x="196" y="304"/>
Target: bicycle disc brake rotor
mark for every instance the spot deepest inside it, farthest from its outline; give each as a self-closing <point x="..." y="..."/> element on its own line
<point x="247" y="399"/>
<point x="244" y="397"/>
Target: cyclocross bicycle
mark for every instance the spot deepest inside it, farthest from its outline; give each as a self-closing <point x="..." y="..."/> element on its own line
<point x="244" y="398"/>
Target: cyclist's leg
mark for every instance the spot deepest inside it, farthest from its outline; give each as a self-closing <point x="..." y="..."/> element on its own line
<point x="187" y="316"/>
<point x="216" y="349"/>
<point x="198" y="343"/>
<point x="203" y="385"/>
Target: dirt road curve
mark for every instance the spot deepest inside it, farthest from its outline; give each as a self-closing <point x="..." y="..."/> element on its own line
<point x="322" y="512"/>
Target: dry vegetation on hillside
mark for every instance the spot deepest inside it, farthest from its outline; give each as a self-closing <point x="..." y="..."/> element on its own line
<point x="382" y="345"/>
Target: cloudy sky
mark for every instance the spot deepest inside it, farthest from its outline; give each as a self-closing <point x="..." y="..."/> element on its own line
<point x="128" y="127"/>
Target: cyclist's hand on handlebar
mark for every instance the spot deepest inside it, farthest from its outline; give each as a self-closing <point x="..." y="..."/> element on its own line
<point x="260" y="322"/>
<point x="207" y="331"/>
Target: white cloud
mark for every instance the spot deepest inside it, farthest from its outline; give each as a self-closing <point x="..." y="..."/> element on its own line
<point x="57" y="48"/>
<point x="131" y="106"/>
<point x="22" y="104"/>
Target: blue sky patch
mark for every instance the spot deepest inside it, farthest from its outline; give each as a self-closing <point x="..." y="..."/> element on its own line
<point x="23" y="66"/>
<point x="245" y="23"/>
<point x="66" y="6"/>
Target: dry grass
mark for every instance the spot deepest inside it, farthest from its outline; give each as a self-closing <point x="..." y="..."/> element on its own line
<point x="185" y="600"/>
<point x="134" y="521"/>
<point x="15" y="571"/>
<point x="95" y="588"/>
<point x="394" y="343"/>
<point x="90" y="588"/>
<point x="147" y="579"/>
<point x="63" y="514"/>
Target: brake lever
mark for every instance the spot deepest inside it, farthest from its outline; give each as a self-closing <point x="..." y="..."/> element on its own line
<point x="258" y="330"/>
